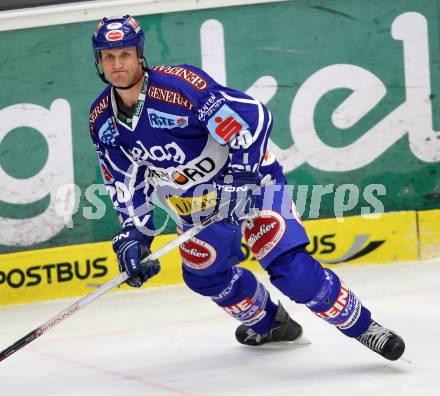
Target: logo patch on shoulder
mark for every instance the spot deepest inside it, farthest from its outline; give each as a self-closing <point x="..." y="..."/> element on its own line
<point x="158" y="119"/>
<point x="226" y="123"/>
<point x="108" y="132"/>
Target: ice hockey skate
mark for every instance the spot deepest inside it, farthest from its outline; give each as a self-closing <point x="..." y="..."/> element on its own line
<point x="382" y="341"/>
<point x="286" y="330"/>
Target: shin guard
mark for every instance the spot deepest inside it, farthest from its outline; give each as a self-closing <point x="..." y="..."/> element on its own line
<point x="302" y="278"/>
<point x="248" y="301"/>
<point x="339" y="306"/>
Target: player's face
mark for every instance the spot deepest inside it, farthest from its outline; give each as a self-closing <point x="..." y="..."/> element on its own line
<point x="121" y="66"/>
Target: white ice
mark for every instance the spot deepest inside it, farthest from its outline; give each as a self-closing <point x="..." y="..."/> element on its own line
<point x="170" y="341"/>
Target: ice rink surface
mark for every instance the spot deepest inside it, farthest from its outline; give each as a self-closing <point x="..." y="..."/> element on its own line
<point x="170" y="341"/>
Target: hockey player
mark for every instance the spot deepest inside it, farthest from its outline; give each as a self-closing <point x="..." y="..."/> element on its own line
<point x="175" y="131"/>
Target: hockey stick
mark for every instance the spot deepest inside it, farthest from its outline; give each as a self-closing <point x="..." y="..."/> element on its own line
<point x="114" y="282"/>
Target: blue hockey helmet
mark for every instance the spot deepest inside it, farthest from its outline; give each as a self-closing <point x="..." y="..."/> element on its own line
<point x="118" y="32"/>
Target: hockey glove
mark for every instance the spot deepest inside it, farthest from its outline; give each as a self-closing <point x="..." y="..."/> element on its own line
<point x="235" y="194"/>
<point x="130" y="246"/>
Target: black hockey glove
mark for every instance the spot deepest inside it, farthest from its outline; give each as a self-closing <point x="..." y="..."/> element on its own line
<point x="235" y="194"/>
<point x="130" y="246"/>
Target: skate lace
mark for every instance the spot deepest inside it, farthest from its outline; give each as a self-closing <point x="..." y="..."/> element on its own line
<point x="375" y="337"/>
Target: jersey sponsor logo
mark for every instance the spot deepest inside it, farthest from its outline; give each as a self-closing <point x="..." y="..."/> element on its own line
<point x="158" y="153"/>
<point x="263" y="232"/>
<point x="225" y="124"/>
<point x="184" y="206"/>
<point x="183" y="176"/>
<point x="97" y="111"/>
<point x="184" y="74"/>
<point x="158" y="119"/>
<point x="209" y="107"/>
<point x="197" y="254"/>
<point x="169" y="96"/>
<point x="198" y="171"/>
<point x="114" y="35"/>
<point x="108" y="132"/>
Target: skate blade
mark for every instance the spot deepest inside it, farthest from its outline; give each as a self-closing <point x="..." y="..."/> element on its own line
<point x="301" y="341"/>
<point x="405" y="359"/>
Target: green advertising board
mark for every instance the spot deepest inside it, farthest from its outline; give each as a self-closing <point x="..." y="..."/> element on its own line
<point x="353" y="87"/>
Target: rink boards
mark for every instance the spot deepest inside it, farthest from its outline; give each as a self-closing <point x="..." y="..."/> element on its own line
<point x="76" y="270"/>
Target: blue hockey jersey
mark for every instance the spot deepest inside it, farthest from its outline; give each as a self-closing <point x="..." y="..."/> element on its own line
<point x="186" y="128"/>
